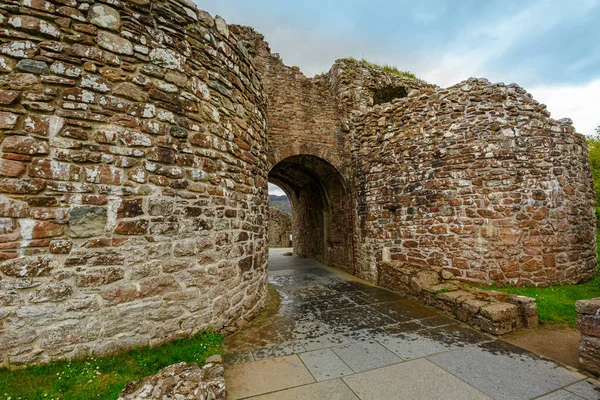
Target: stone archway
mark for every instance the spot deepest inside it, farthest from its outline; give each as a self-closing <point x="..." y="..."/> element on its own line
<point x="322" y="217"/>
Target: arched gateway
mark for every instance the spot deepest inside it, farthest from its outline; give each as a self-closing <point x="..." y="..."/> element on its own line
<point x="137" y="140"/>
<point x="322" y="223"/>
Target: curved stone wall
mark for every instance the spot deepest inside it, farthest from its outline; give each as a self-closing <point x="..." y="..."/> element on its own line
<point x="133" y="177"/>
<point x="476" y="180"/>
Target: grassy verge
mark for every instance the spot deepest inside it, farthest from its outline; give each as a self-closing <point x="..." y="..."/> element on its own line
<point x="392" y="69"/>
<point x="556" y="304"/>
<point x="103" y="378"/>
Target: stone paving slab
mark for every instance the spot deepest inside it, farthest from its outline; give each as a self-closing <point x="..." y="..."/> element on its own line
<point x="506" y="372"/>
<point x="238" y="357"/>
<point x="259" y="377"/>
<point x="411" y="345"/>
<point x="334" y="389"/>
<point x="325" y="364"/>
<point x="278" y="350"/>
<point x="293" y="330"/>
<point x="588" y="389"/>
<point x="364" y="356"/>
<point x="325" y="341"/>
<point x="404" y="310"/>
<point x="560" y="395"/>
<point x="355" y="318"/>
<point x="418" y="379"/>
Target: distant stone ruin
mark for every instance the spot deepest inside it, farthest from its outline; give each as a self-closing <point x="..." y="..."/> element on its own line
<point x="280" y="228"/>
<point x="138" y="138"/>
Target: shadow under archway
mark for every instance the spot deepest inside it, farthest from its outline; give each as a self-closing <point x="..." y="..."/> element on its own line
<point x="321" y="213"/>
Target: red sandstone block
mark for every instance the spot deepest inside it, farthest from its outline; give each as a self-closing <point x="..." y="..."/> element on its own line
<point x="24" y="145"/>
<point x="130" y="208"/>
<point x="134" y="227"/>
<point x="60" y="246"/>
<point x="8" y="97"/>
<point x="11" y="168"/>
<point x="40" y="229"/>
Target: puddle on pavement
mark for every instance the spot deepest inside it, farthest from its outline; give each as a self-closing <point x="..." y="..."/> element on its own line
<point x="260" y="331"/>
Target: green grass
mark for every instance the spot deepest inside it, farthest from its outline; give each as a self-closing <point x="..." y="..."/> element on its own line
<point x="556" y="304"/>
<point x="392" y="69"/>
<point x="103" y="378"/>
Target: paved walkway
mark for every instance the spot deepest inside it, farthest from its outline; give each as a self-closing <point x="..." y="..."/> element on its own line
<point x="336" y="338"/>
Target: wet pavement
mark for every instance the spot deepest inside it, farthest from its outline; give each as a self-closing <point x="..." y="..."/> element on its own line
<point x="327" y="335"/>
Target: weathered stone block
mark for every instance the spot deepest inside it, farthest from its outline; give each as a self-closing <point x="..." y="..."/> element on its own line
<point x="101" y="276"/>
<point x="51" y="292"/>
<point x="191" y="247"/>
<point x="87" y="221"/>
<point x="498" y="312"/>
<point x="131" y="92"/>
<point x="115" y="43"/>
<point x="61" y="246"/>
<point x="70" y="333"/>
<point x="105" y="17"/>
<point x="19" y="49"/>
<point x="424" y="279"/>
<point x="591" y="306"/>
<point x="130" y="208"/>
<point x="33" y="66"/>
<point x="34" y="25"/>
<point x="11" y="168"/>
<point x="455" y="297"/>
<point x="121" y="294"/>
<point x="589" y="353"/>
<point x="29" y="267"/>
<point x="7" y="97"/>
<point x="158" y="285"/>
<point x="24" y="145"/>
<point x="31" y="229"/>
<point x="167" y="58"/>
<point x="589" y="324"/>
<point x="13" y="208"/>
<point x="133" y="227"/>
<point x="8" y="120"/>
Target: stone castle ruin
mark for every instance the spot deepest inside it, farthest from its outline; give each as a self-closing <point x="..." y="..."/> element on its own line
<point x="137" y="140"/>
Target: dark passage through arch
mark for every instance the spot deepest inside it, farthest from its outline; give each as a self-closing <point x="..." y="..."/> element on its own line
<point x="322" y="219"/>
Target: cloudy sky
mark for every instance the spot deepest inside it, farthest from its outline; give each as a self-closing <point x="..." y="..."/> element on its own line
<point x="550" y="47"/>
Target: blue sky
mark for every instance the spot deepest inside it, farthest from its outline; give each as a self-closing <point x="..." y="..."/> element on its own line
<point x="550" y="47"/>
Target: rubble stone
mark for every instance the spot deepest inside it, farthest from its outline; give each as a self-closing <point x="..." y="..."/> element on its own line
<point x="180" y="381"/>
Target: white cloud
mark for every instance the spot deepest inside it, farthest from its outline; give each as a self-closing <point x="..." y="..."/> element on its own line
<point x="472" y="53"/>
<point x="580" y="103"/>
<point x="314" y="44"/>
<point x="276" y="190"/>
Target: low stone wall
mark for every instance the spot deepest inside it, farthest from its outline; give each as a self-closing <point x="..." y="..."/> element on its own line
<point x="588" y="323"/>
<point x="488" y="310"/>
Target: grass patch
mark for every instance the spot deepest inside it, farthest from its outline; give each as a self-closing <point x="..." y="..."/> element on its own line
<point x="103" y="378"/>
<point x="392" y="69"/>
<point x="556" y="304"/>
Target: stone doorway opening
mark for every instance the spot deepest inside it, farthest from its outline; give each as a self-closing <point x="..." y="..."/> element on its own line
<point x="280" y="218"/>
<point x="321" y="209"/>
